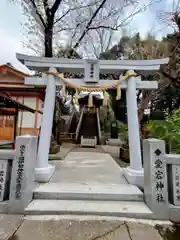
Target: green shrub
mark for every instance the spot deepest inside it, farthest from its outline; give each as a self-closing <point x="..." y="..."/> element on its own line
<point x="168" y="130"/>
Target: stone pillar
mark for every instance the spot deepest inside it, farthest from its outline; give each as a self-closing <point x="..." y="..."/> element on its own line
<point x="134" y="173"/>
<point x="22" y="175"/>
<point x="44" y="171"/>
<point x="155" y="178"/>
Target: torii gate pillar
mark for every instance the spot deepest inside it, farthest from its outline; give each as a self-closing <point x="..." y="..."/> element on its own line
<point x="134" y="174"/>
<point x="43" y="170"/>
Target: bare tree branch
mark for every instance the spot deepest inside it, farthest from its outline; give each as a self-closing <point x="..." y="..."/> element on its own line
<point x="60" y="18"/>
<point x="114" y="28"/>
<point x="37" y="13"/>
<point x="89" y="23"/>
<point x="46" y="6"/>
<point x="55" y="6"/>
<point x="90" y="16"/>
<point x="73" y="9"/>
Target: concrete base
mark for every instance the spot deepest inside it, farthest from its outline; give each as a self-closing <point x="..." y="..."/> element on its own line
<point x="134" y="177"/>
<point x="43" y="175"/>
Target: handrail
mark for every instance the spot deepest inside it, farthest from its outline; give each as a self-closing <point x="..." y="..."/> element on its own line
<point x="79" y="123"/>
<point x="70" y="119"/>
<point x="98" y="125"/>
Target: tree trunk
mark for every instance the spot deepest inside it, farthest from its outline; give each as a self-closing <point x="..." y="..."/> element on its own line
<point x="48" y="42"/>
<point x="48" y="38"/>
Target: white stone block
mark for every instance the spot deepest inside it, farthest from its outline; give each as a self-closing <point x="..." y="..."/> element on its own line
<point x="155" y="177"/>
<point x="88" y="142"/>
<point x="22" y="178"/>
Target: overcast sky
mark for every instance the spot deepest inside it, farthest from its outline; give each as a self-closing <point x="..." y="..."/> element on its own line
<point x="10" y="40"/>
<point x="10" y="28"/>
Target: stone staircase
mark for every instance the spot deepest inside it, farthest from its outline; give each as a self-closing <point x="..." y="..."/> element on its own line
<point x="68" y="120"/>
<point x="91" y="192"/>
<point x="88" y="183"/>
<point x="67" y="137"/>
<point x="119" y="200"/>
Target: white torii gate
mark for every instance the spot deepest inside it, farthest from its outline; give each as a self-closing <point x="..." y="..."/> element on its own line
<point x="134" y="173"/>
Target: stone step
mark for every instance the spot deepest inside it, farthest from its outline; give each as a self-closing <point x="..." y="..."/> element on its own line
<point x="97" y="208"/>
<point x="77" y="191"/>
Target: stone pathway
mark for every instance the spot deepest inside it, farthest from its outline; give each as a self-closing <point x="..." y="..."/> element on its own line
<point x="98" y="149"/>
<point x="79" y="167"/>
<point x="84" y="230"/>
<point x="70" y="147"/>
<point x="65" y="148"/>
<point x="9" y="224"/>
<point x="114" y="152"/>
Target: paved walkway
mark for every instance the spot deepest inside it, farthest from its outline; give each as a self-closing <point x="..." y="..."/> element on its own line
<point x="70" y="147"/>
<point x="87" y="167"/>
<point x="59" y="228"/>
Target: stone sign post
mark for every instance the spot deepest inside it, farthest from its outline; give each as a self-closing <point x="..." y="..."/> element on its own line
<point x="6" y="157"/>
<point x="176" y="184"/>
<point x="23" y="173"/>
<point x="155" y="177"/>
<point x="3" y="173"/>
<point x="173" y="165"/>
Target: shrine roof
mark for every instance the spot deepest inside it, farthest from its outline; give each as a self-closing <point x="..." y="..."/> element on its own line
<point x="9" y="68"/>
<point x="6" y="102"/>
<point x="77" y="65"/>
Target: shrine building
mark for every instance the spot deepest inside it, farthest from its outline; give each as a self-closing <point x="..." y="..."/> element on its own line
<point x="21" y="106"/>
